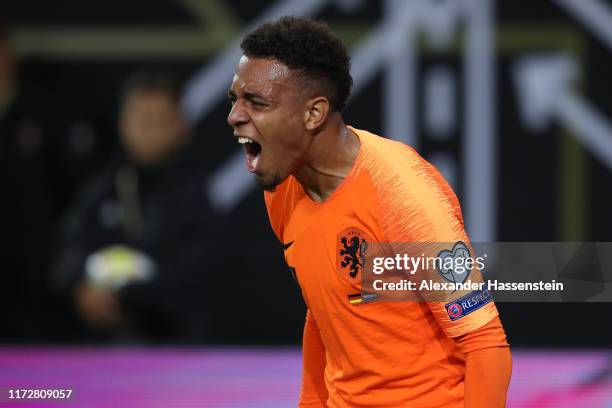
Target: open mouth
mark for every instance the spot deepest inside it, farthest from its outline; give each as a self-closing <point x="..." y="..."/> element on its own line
<point x="252" y="150"/>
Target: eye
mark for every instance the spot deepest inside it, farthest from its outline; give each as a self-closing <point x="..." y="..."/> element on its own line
<point x="257" y="103"/>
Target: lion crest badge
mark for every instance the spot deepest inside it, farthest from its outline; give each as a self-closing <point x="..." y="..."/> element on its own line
<point x="351" y="251"/>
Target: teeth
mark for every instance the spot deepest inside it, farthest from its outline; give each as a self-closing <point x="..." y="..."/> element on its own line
<point x="243" y="140"/>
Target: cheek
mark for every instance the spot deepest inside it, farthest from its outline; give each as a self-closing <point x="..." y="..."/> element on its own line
<point x="134" y="133"/>
<point x="281" y="133"/>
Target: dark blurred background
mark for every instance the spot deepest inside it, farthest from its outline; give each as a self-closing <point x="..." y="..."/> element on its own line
<point x="512" y="101"/>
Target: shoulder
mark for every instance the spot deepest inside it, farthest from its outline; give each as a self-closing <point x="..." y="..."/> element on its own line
<point x="389" y="160"/>
<point x="397" y="169"/>
<point x="416" y="201"/>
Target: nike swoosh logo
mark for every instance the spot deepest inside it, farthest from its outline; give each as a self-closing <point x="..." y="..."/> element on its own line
<point x="287" y="245"/>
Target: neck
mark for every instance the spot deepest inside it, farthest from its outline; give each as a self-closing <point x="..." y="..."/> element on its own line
<point x="330" y="158"/>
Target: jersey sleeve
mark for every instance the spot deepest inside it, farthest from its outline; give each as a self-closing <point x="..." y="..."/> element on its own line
<point x="418" y="206"/>
<point x="313" y="393"/>
<point x="485" y="348"/>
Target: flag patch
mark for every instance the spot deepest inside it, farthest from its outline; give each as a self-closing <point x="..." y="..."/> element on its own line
<point x="358" y="298"/>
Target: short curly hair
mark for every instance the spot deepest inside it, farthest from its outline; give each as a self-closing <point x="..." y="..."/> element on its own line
<point x="309" y="47"/>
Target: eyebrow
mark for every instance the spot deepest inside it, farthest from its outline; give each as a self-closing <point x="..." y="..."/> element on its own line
<point x="252" y="95"/>
<point x="247" y="95"/>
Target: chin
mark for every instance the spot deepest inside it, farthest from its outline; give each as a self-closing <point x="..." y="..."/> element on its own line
<point x="268" y="185"/>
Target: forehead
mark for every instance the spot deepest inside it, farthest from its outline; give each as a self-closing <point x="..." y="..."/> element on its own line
<point x="152" y="103"/>
<point x="260" y="75"/>
<point x="149" y="96"/>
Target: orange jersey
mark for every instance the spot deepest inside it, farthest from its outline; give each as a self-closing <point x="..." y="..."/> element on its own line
<point x="385" y="354"/>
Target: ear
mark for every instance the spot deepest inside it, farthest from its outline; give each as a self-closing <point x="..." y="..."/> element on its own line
<point x="316" y="112"/>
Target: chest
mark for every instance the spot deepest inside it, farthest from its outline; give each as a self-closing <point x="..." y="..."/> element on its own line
<point x="326" y="246"/>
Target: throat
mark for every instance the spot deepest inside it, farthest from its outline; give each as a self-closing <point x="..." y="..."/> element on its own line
<point x="332" y="160"/>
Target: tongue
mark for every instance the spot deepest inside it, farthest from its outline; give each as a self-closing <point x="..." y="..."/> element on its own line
<point x="251" y="161"/>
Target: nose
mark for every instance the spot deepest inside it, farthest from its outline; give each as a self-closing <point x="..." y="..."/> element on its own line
<point x="238" y="115"/>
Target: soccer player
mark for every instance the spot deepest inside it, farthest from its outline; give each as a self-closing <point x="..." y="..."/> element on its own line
<point x="329" y="187"/>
